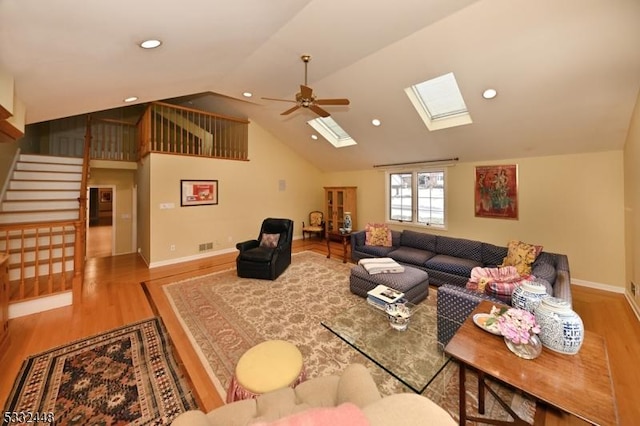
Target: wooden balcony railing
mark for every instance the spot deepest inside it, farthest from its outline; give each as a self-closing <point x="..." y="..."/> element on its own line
<point x="113" y="140"/>
<point x="173" y="129"/>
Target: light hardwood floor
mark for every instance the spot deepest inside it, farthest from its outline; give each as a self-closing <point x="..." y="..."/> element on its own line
<point x="115" y="295"/>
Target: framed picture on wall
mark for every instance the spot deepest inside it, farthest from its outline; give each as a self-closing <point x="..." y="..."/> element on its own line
<point x="198" y="192"/>
<point x="496" y="191"/>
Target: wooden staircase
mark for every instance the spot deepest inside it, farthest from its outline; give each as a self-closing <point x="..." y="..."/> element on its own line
<point x="39" y="223"/>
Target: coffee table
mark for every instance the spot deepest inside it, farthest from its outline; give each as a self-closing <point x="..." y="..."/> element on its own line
<point x="412" y="356"/>
<point x="577" y="384"/>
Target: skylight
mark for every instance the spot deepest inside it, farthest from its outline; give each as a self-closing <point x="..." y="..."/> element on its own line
<point x="331" y="131"/>
<point x="439" y="102"/>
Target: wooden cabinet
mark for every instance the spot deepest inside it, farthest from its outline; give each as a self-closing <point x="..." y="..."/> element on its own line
<point x="338" y="200"/>
<point x="4" y="300"/>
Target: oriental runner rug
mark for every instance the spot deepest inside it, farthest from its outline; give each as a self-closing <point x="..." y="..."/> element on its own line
<point x="124" y="376"/>
<point x="225" y="315"/>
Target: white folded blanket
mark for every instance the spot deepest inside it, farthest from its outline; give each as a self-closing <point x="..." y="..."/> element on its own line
<point x="381" y="265"/>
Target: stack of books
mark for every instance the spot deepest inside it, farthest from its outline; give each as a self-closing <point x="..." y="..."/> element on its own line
<point x="380" y="296"/>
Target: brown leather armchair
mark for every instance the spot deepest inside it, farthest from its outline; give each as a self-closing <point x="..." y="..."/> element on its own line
<point x="269" y="255"/>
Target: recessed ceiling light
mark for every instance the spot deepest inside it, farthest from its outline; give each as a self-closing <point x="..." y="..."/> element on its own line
<point x="131" y="99"/>
<point x="247" y="94"/>
<point x="489" y="94"/>
<point x="314" y="137"/>
<point x="150" y="44"/>
<point x="376" y="122"/>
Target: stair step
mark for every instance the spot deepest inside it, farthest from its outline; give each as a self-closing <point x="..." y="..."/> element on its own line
<point x="40" y="194"/>
<point x="43" y="216"/>
<point x="30" y="185"/>
<point x="34" y="158"/>
<point x="38" y="205"/>
<point x="49" y="167"/>
<point x="46" y="176"/>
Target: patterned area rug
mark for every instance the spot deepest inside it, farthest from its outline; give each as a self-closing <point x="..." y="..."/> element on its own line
<point x="225" y="315"/>
<point x="124" y="376"/>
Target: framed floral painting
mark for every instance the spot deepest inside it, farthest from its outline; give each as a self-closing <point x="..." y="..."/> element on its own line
<point x="496" y="191"/>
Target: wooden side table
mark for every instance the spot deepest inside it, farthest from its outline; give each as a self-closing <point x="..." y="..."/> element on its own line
<point x="337" y="235"/>
<point x="578" y="384"/>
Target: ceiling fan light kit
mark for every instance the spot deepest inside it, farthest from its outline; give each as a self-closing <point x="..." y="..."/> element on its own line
<point x="306" y="99"/>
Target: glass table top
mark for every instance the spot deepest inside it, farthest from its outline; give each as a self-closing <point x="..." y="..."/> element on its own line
<point x="411" y="356"/>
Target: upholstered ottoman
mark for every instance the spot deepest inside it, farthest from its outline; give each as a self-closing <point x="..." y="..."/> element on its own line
<point x="268" y="366"/>
<point x="413" y="282"/>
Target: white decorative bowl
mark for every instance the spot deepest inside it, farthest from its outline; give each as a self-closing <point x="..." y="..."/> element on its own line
<point x="399" y="315"/>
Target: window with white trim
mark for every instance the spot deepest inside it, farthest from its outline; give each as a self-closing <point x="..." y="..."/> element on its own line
<point x="417" y="197"/>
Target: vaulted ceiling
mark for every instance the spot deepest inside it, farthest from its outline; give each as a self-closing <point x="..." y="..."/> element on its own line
<point x="567" y="72"/>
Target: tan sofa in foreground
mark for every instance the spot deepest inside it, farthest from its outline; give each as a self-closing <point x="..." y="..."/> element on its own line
<point x="350" y="399"/>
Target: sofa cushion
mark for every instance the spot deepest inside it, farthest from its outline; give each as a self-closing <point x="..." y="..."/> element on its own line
<point x="460" y="247"/>
<point x="492" y="255"/>
<point x="378" y="234"/>
<point x="376" y="251"/>
<point x="411" y="255"/>
<point x="418" y="240"/>
<point x="452" y="265"/>
<point x="521" y="255"/>
<point x="543" y="268"/>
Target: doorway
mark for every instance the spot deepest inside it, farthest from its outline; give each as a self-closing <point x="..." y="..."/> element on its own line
<point x="100" y="223"/>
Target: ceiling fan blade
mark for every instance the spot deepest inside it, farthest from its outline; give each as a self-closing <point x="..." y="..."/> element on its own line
<point x="306" y="92"/>
<point x="332" y="101"/>
<point x="276" y="99"/>
<point x="290" y="110"/>
<point x="319" y="111"/>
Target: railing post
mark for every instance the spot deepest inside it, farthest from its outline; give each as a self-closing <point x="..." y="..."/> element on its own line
<point x="80" y="226"/>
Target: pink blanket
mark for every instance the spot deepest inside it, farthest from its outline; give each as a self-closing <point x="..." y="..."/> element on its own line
<point x="480" y="277"/>
<point x="346" y="414"/>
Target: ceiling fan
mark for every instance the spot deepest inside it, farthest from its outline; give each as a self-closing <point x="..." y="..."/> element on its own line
<point x="306" y="99"/>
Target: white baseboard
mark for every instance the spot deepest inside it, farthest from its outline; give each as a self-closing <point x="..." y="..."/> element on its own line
<point x="634" y="306"/>
<point x="189" y="258"/>
<point x="598" y="286"/>
<point x="20" y="309"/>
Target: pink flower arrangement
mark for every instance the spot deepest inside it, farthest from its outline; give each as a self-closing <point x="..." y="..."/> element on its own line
<point x="516" y="325"/>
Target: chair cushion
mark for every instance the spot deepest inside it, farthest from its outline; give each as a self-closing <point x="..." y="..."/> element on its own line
<point x="259" y="254"/>
<point x="269" y="240"/>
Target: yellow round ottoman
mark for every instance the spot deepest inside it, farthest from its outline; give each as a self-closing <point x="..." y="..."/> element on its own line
<point x="267" y="366"/>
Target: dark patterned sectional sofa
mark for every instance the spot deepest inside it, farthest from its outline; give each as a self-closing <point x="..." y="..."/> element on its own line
<point x="449" y="262"/>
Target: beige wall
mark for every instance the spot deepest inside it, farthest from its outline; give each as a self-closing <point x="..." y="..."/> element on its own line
<point x="571" y="204"/>
<point x="123" y="180"/>
<point x="248" y="191"/>
<point x="632" y="205"/>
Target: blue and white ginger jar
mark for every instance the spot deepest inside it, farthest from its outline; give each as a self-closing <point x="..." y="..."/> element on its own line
<point x="561" y="328"/>
<point x="347" y="221"/>
<point x="528" y="295"/>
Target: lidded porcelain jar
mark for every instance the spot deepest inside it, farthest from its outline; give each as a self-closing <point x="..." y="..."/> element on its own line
<point x="561" y="328"/>
<point x="347" y="221"/>
<point x="528" y="295"/>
